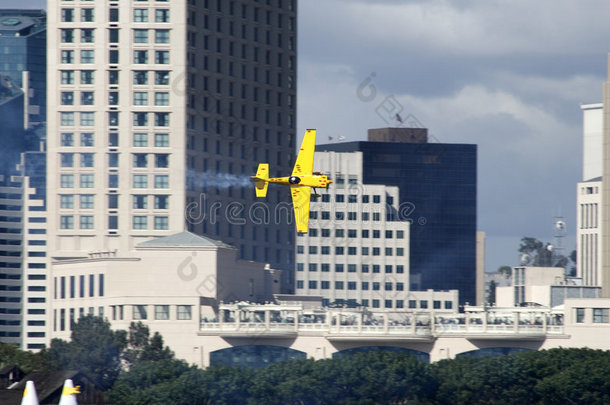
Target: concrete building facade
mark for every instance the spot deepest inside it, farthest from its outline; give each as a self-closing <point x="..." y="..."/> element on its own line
<point x="158" y="113"/>
<point x="438" y="193"/>
<point x="357" y="250"/>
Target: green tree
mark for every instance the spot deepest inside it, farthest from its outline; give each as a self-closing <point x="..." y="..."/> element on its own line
<point x="539" y="254"/>
<point x="27" y="361"/>
<point x="142" y="347"/>
<point x="94" y="349"/>
<point x="491" y="298"/>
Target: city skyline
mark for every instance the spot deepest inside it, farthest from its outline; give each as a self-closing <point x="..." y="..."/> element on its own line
<point x="472" y="75"/>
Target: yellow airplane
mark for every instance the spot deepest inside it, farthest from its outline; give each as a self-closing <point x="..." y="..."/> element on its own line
<point x="302" y="180"/>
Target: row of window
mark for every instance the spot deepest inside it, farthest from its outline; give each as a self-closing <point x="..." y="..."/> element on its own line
<point x="351" y="250"/>
<point x="161" y="15"/>
<point x="140" y="201"/>
<point x="340" y="215"/>
<point x="161" y="312"/>
<point x="140" y="119"/>
<point x="600" y="315"/>
<point x="72" y="315"/>
<point x="140" y="57"/>
<point x="140" y="36"/>
<point x="160" y="223"/>
<point x="87" y="139"/>
<point x="353" y="198"/>
<point x="351" y="285"/>
<point x="161" y="181"/>
<point x="140" y="160"/>
<point x="161" y="98"/>
<point x="140" y="77"/>
<point x="353" y="233"/>
<point x="66" y="286"/>
<point x="352" y="268"/>
<point x="412" y="304"/>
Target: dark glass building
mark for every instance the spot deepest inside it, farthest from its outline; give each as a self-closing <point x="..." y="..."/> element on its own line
<point x="438" y="194"/>
<point x="23" y="49"/>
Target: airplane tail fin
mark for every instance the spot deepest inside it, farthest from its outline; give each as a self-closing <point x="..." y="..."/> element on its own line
<point x="260" y="180"/>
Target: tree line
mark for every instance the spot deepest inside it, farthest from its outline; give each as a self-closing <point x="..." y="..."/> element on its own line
<point x="135" y="368"/>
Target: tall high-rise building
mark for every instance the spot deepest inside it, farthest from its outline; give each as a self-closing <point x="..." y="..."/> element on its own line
<point x="23" y="63"/>
<point x="158" y="112"/>
<point x="22" y="116"/>
<point x="589" y="198"/>
<point x="357" y="250"/>
<point x="437" y="185"/>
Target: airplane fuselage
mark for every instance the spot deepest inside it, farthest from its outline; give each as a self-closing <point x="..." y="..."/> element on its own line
<point x="308" y="180"/>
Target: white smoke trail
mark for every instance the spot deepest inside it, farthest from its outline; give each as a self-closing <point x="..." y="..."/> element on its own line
<point x="220" y="180"/>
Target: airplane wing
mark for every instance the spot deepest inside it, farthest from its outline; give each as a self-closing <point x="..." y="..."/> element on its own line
<point x="301" y="196"/>
<point x="304" y="163"/>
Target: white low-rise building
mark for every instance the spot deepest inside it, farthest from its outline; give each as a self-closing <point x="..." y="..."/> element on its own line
<point x="170" y="283"/>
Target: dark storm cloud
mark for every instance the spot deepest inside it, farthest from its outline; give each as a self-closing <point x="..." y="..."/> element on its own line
<point x="508" y="76"/>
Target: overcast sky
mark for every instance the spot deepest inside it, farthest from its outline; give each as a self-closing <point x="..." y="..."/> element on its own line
<point x="507" y="76"/>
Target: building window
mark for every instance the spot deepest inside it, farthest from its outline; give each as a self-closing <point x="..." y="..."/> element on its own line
<point x="66" y="181"/>
<point x="162" y="77"/>
<point x="140" y="36"/>
<point x="67" y="159"/>
<point x="140" y="98"/>
<point x="162" y="57"/>
<point x="580" y="315"/>
<point x="338" y="285"/>
<point x="140" y="202"/>
<point x="161" y="312"/>
<point x="86" y="222"/>
<point x="67" y="15"/>
<point x="67" y="56"/>
<point x="161" y="181"/>
<point x="86" y="201"/>
<point x="66" y="201"/>
<point x="67" y="119"/>
<point x="161" y="140"/>
<point x="140" y="181"/>
<point x="66" y="222"/>
<point x="184" y="313"/>
<point x="140" y="160"/>
<point x="140" y="57"/>
<point x="313" y="285"/>
<point x="67" y="77"/>
<point x="161" y="161"/>
<point x="86" y="159"/>
<point x="87" y="15"/>
<point x="139" y="312"/>
<point x="87" y="35"/>
<point x="162" y="119"/>
<point x="87" y="56"/>
<point x="67" y="139"/>
<point x="140" y="140"/>
<point x="161" y="98"/>
<point x="67" y="98"/>
<point x="162" y="15"/>
<point x="86" y="180"/>
<point x="140" y="119"/>
<point x="161" y="223"/>
<point x="87" y="119"/>
<point x="87" y="139"/>
<point x="600" y="315"/>
<point x="162" y="36"/>
<point x="139" y="222"/>
<point x="140" y="77"/>
<point x="140" y="15"/>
